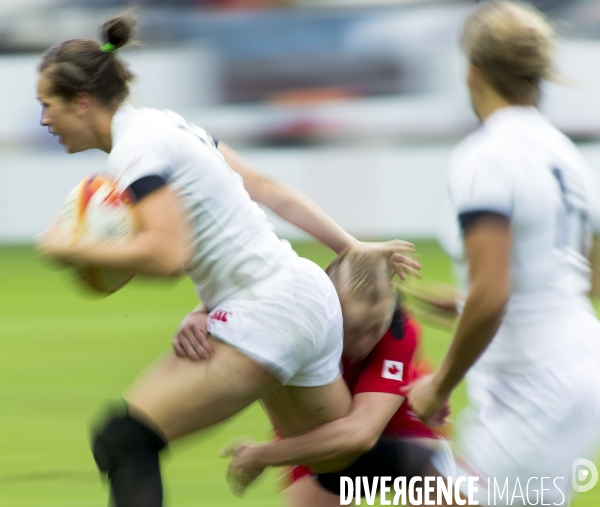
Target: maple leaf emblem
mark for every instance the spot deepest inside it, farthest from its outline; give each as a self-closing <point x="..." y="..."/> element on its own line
<point x="392" y="370"/>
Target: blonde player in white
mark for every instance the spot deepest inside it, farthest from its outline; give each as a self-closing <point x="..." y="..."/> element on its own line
<point x="277" y="319"/>
<point x="528" y="339"/>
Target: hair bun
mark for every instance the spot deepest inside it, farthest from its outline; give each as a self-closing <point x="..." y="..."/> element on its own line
<point x="118" y="31"/>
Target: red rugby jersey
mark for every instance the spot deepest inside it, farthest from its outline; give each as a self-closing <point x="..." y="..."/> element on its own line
<point x="391" y="366"/>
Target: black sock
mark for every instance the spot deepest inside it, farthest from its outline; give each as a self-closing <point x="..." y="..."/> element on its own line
<point x="128" y="451"/>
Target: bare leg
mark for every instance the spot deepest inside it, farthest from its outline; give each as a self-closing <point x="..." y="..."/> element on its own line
<point x="173" y="398"/>
<point x="296" y="409"/>
<point x="176" y="397"/>
<point x="179" y="396"/>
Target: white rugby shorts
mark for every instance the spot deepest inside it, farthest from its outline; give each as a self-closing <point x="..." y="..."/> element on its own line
<point x="530" y="423"/>
<point x="290" y="324"/>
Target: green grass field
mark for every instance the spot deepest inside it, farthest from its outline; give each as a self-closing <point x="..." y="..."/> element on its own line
<point x="64" y="354"/>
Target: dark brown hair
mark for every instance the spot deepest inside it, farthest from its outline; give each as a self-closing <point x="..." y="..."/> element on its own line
<point x="513" y="45"/>
<point x="79" y="65"/>
<point x="365" y="276"/>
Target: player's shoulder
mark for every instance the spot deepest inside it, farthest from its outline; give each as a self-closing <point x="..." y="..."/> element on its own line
<point x="146" y="132"/>
<point x="146" y="125"/>
<point x="136" y="129"/>
<point x="488" y="159"/>
<point x="505" y="135"/>
<point x="402" y="335"/>
<point x="478" y="147"/>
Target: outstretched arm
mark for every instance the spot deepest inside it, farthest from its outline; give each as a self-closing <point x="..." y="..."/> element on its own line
<point x="321" y="447"/>
<point x="433" y="303"/>
<point x="288" y="203"/>
<point x="296" y="208"/>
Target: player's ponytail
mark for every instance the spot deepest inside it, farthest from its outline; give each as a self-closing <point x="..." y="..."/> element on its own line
<point x="513" y="45"/>
<point x="364" y="276"/>
<point x="86" y="65"/>
<point x="118" y="31"/>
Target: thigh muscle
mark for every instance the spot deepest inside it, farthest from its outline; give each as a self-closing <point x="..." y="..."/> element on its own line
<point x="181" y="396"/>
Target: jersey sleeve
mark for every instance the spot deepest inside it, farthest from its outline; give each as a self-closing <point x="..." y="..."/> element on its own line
<point x="480" y="182"/>
<point x="140" y="167"/>
<point x="391" y="365"/>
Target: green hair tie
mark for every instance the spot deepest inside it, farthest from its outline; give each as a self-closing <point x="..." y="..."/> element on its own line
<point x="108" y="48"/>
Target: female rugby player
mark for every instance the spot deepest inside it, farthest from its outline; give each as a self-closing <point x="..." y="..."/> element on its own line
<point x="378" y="363"/>
<point x="528" y="337"/>
<point x="281" y="320"/>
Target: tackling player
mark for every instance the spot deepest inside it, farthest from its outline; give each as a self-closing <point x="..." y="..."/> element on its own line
<point x="378" y="362"/>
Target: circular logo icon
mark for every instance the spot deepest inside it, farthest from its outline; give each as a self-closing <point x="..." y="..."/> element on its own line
<point x="585" y="475"/>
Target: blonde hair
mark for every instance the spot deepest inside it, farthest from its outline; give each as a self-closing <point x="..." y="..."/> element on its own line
<point x="513" y="45"/>
<point x="365" y="276"/>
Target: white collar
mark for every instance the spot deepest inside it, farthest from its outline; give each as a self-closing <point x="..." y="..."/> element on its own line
<point x="119" y="119"/>
<point x="507" y="113"/>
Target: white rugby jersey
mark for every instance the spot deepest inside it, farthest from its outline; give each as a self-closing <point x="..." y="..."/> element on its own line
<point x="520" y="166"/>
<point x="234" y="244"/>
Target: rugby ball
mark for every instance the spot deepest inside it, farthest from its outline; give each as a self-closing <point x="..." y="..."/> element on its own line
<point x="96" y="211"/>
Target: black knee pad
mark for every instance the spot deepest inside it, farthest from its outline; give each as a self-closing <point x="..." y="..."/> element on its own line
<point x="124" y="438"/>
<point x="389" y="458"/>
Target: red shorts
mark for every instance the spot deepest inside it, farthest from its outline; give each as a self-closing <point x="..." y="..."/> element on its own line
<point x="296" y="473"/>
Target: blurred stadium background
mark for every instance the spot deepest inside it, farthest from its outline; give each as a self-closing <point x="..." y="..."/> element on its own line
<point x="355" y="102"/>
